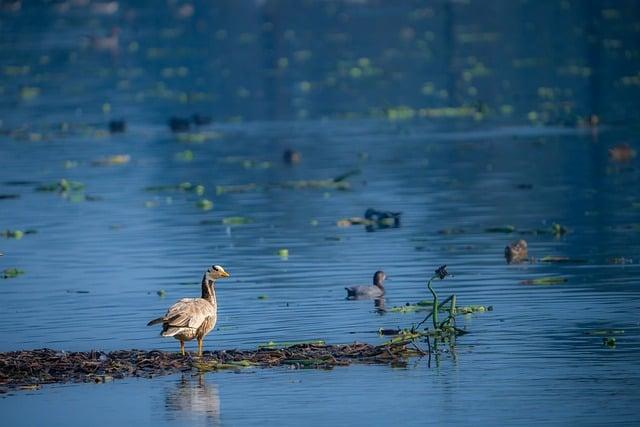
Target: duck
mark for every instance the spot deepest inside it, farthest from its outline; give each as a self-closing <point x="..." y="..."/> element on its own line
<point x="516" y="251"/>
<point x="375" y="291"/>
<point x="381" y="219"/>
<point x="191" y="318"/>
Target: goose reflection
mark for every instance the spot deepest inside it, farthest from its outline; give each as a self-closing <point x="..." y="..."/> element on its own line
<point x="193" y="399"/>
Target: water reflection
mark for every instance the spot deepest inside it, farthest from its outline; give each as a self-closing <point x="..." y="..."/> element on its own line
<point x="193" y="399"/>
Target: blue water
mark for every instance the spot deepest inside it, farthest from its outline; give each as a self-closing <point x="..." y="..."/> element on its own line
<point x="518" y="79"/>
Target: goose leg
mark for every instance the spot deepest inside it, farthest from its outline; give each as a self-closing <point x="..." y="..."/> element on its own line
<point x="200" y="347"/>
<point x="182" y="347"/>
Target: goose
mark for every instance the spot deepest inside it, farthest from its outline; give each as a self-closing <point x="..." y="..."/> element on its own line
<point x="375" y="291"/>
<point x="191" y="318"/>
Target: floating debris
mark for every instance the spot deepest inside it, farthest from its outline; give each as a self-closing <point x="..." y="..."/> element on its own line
<point x="236" y="220"/>
<point x="161" y="293"/>
<point x="32" y="368"/>
<point x="545" y="281"/>
<point x="10" y="273"/>
<point x="501" y="229"/>
<point x="9" y="196"/>
<point x="609" y="341"/>
<point x="186" y="187"/>
<point x="320" y="184"/>
<point x="516" y="252"/>
<point x="451" y="231"/>
<point x="263" y="297"/>
<point x="62" y="186"/>
<point x="117" y="159"/>
<point x="561" y="260"/>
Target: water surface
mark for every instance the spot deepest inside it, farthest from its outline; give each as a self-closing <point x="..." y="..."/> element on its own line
<point x="513" y="154"/>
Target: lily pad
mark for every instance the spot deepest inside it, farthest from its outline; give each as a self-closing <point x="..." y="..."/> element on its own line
<point x="205" y="204"/>
<point x="10" y="273"/>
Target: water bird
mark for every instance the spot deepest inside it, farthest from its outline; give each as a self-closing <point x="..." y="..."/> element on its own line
<point x="291" y="157"/>
<point x="621" y="153"/>
<point x="106" y="43"/>
<point x="117" y="126"/>
<point x="179" y="124"/>
<point x="374" y="291"/>
<point x="382" y="219"/>
<point x="191" y="318"/>
<point x="516" y="251"/>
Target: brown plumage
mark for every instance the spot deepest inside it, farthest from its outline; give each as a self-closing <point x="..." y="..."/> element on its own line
<point x="516" y="251"/>
<point x="191" y="318"/>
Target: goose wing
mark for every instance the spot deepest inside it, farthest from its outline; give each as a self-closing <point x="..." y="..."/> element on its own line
<point x="189" y="313"/>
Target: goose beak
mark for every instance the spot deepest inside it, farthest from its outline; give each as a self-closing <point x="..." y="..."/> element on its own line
<point x="224" y="274"/>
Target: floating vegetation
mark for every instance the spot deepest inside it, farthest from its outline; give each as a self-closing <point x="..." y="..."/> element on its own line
<point x="10" y="273"/>
<point x="184" y="156"/>
<point x="561" y="260"/>
<point x="283" y="253"/>
<point x="62" y="186"/>
<point x="501" y="229"/>
<point x="204" y="204"/>
<point x="236" y="220"/>
<point x="32" y="368"/>
<point x="198" y="137"/>
<point x="609" y="342"/>
<point x="15" y="234"/>
<point x="70" y="190"/>
<point x="161" y="293"/>
<point x="118" y="159"/>
<point x="339" y="183"/>
<point x="186" y="187"/>
<point x="263" y="297"/>
<point x="428" y="304"/>
<point x="558" y="230"/>
<point x="447" y="231"/>
<point x="545" y="281"/>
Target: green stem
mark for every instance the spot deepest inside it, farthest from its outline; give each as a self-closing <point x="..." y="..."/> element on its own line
<point x="435" y="303"/>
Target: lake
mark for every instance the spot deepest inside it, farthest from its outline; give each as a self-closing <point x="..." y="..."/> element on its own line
<point x="476" y="120"/>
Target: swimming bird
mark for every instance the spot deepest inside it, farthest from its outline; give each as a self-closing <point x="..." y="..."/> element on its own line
<point x="516" y="252"/>
<point x="375" y="291"/>
<point x="192" y="318"/>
